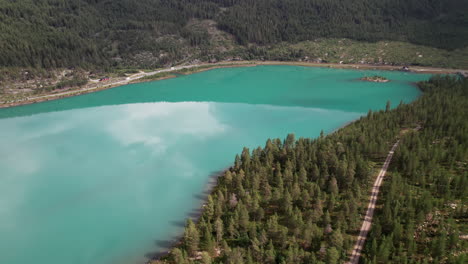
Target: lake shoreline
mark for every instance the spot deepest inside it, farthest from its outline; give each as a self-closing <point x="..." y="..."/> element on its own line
<point x="131" y="129"/>
<point x="195" y="215"/>
<point x="197" y="68"/>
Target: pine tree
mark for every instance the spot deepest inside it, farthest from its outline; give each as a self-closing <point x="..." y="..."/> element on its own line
<point x="209" y="208"/>
<point x="270" y="254"/>
<point x="219" y="229"/>
<point x="179" y="256"/>
<point x="332" y="256"/>
<point x="336" y="239"/>
<point x="191" y="237"/>
<point x="205" y="258"/>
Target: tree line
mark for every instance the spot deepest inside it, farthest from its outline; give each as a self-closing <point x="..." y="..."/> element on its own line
<point x="86" y="33"/>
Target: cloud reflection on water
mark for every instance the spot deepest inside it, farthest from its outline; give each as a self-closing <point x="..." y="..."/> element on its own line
<point x="123" y="173"/>
<point x="160" y="125"/>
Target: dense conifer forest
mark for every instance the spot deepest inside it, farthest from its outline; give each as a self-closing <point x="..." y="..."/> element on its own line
<point x="302" y="200"/>
<point x="83" y="33"/>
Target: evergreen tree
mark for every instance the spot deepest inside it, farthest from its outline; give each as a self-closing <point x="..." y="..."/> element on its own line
<point x="332" y="256"/>
<point x="191" y="237"/>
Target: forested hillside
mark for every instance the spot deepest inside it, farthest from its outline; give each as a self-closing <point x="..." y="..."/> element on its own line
<point x="84" y="33"/>
<point x="301" y="201"/>
<point x="423" y="213"/>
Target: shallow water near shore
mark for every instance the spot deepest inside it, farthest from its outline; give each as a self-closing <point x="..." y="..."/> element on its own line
<point x="108" y="177"/>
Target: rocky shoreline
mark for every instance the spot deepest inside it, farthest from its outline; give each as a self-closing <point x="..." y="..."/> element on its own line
<point x="378" y="79"/>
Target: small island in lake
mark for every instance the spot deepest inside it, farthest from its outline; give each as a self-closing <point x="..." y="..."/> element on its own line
<point x="375" y="78"/>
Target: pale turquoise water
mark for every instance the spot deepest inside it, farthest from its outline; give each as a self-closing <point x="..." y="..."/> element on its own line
<point x="105" y="177"/>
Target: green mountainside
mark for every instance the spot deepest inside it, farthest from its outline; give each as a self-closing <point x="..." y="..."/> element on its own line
<point x="150" y="33"/>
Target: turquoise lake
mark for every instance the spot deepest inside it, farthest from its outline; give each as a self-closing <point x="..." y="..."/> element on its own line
<point x="108" y="177"/>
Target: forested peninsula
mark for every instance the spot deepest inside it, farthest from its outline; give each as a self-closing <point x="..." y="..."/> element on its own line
<point x="302" y="200"/>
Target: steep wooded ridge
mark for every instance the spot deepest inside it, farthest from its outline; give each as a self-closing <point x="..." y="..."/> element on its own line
<point x="301" y="201"/>
<point x="148" y="33"/>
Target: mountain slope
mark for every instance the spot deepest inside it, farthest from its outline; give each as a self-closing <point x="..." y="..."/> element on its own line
<point x="69" y="33"/>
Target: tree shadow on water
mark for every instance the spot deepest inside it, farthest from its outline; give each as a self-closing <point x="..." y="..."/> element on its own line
<point x="201" y="197"/>
<point x="163" y="246"/>
<point x="195" y="214"/>
<point x="178" y="223"/>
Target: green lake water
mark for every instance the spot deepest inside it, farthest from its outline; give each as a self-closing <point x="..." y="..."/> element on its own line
<point x="109" y="177"/>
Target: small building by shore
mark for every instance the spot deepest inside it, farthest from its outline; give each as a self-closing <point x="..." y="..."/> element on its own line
<point x="463" y="74"/>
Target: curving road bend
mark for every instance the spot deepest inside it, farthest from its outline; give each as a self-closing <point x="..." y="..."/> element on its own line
<point x="366" y="224"/>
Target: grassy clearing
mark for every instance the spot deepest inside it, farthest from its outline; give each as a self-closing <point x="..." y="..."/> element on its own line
<point x="157" y="76"/>
<point x="350" y="51"/>
<point x="186" y="71"/>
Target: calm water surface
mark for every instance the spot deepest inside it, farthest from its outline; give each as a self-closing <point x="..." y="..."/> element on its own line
<point x="109" y="176"/>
